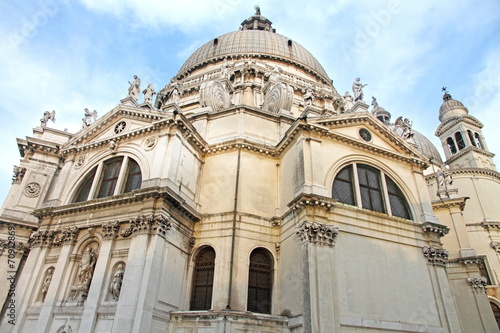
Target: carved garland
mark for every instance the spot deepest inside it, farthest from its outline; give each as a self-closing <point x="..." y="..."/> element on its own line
<point x="319" y="233"/>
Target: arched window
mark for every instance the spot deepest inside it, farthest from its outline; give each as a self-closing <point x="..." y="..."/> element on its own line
<point x="260" y="281"/>
<point x="471" y="138"/>
<point x="343" y="188"/>
<point x="367" y="187"/>
<point x="106" y="179"/>
<point x="451" y="145"/>
<point x="479" y="142"/>
<point x="460" y="140"/>
<point x="203" y="280"/>
<point x="496" y="312"/>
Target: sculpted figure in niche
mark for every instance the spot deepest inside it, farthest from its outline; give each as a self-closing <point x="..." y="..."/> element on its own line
<point x="148" y="93"/>
<point x="116" y="283"/>
<point x="48" y="116"/>
<point x="87" y="120"/>
<point x="309" y="96"/>
<point x="86" y="269"/>
<point x="135" y="88"/>
<point x="348" y="103"/>
<point x="46" y="283"/>
<point x="357" y="89"/>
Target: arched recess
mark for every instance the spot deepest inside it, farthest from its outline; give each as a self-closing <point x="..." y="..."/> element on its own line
<point x="115" y="281"/>
<point x="45" y="283"/>
<point x="260" y="281"/>
<point x="387" y="172"/>
<point x="203" y="279"/>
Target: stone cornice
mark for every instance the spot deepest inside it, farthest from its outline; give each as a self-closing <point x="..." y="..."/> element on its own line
<point x="435" y="256"/>
<point x="123" y="199"/>
<point x="439" y="229"/>
<point x="475" y="260"/>
<point x="449" y="203"/>
<point x="473" y="171"/>
<point x="467" y="150"/>
<point x="31" y="145"/>
<point x="449" y="123"/>
<point x="303" y="200"/>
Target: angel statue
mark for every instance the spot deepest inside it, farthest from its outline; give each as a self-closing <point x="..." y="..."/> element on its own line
<point x="48" y="116"/>
<point x="88" y="115"/>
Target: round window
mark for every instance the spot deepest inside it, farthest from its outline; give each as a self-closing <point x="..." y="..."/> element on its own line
<point x="365" y="134"/>
<point x="120" y="127"/>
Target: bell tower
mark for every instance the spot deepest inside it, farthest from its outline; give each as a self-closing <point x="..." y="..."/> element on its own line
<point x="461" y="137"/>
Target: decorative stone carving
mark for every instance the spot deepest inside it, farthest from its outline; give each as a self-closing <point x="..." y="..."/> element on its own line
<point x="19" y="248"/>
<point x="46" y="282"/>
<point x="148" y="93"/>
<point x="87" y="119"/>
<point x="215" y="95"/>
<point x="135" y="88"/>
<point x="18" y="176"/>
<point x="192" y="241"/>
<point x="357" y="89"/>
<point x="150" y="142"/>
<point x="150" y="224"/>
<point x="224" y="70"/>
<point x="111" y="230"/>
<point x="70" y="235"/>
<point x="116" y="284"/>
<point x="275" y="74"/>
<point x="32" y="190"/>
<point x="317" y="233"/>
<point x="48" y="116"/>
<point x="439" y="229"/>
<point x="84" y="277"/>
<point x="403" y="127"/>
<point x="278" y="97"/>
<point x="435" y="256"/>
<point x="126" y="231"/>
<point x="444" y="180"/>
<point x="79" y="162"/>
<point x="495" y="246"/>
<point x="41" y="237"/>
<point x="309" y="96"/>
<point x="478" y="284"/>
<point x="113" y="146"/>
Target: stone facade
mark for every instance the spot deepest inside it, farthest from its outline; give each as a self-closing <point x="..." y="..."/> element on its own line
<point x="224" y="208"/>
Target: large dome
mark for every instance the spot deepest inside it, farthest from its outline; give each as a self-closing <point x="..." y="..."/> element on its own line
<point x="426" y="147"/>
<point x="254" y="43"/>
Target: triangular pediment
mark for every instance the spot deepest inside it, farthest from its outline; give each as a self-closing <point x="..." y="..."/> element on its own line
<point x="121" y="120"/>
<point x="365" y="131"/>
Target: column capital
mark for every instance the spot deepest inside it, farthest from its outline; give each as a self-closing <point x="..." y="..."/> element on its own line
<point x="314" y="232"/>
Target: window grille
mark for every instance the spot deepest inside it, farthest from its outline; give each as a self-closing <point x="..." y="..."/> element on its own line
<point x="260" y="281"/>
<point x="85" y="186"/>
<point x="203" y="280"/>
<point x="399" y="207"/>
<point x="369" y="185"/>
<point x="134" y="177"/>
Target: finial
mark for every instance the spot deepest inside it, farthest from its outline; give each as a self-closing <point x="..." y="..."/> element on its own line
<point x="446" y="96"/>
<point x="257" y="10"/>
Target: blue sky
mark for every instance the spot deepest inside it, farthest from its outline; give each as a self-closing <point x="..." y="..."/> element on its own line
<point x="69" y="55"/>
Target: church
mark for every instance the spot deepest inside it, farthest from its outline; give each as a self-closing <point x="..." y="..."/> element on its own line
<point x="249" y="195"/>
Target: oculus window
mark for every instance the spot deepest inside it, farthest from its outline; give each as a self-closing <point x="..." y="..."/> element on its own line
<point x="113" y="176"/>
<point x="367" y="187"/>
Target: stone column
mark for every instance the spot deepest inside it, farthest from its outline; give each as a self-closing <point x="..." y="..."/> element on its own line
<point x="320" y="282"/>
<point x="69" y="239"/>
<point x="151" y="277"/>
<point x="89" y="317"/>
<point x="141" y="279"/>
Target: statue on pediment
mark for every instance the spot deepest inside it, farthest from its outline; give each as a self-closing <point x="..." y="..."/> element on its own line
<point x="135" y="88"/>
<point x="48" y="116"/>
<point x="87" y="120"/>
<point x="357" y="89"/>
<point x="148" y="93"/>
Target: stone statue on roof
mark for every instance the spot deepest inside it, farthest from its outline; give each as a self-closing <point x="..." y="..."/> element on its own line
<point x="148" y="94"/>
<point x="48" y="116"/>
<point x="257" y="10"/>
<point x="86" y="121"/>
<point x="347" y="100"/>
<point x="135" y="88"/>
<point x="357" y="89"/>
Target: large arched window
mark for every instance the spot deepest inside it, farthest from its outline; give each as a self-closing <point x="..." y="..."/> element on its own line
<point x="203" y="280"/>
<point x="369" y="188"/>
<point x="460" y="140"/>
<point x="260" y="281"/>
<point x="471" y="138"/>
<point x="113" y="176"/>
